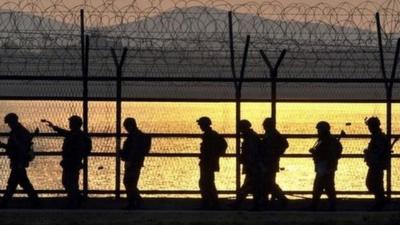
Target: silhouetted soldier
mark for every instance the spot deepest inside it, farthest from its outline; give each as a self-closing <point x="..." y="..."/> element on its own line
<point x="377" y="157"/>
<point x="134" y="150"/>
<point x="17" y="149"/>
<point x="212" y="147"/>
<point x="273" y="147"/>
<point x="326" y="153"/>
<point x="77" y="145"/>
<point x="252" y="166"/>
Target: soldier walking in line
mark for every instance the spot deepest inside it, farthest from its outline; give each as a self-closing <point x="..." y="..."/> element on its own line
<point x="212" y="147"/>
<point x="377" y="157"/>
<point x="251" y="159"/>
<point x="18" y="150"/>
<point x="273" y="147"/>
<point x="135" y="148"/>
<point x="77" y="145"/>
<point x="326" y="153"/>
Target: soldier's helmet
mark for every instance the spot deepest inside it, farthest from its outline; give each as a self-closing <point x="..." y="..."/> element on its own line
<point x="244" y="124"/>
<point x="76" y="120"/>
<point x="323" y="126"/>
<point x="269" y="122"/>
<point x="11" y="118"/>
<point x="130" y="122"/>
<point x="373" y="122"/>
<point x="206" y="121"/>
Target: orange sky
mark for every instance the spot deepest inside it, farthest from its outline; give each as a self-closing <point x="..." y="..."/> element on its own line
<point x="167" y="2"/>
<point x="160" y="5"/>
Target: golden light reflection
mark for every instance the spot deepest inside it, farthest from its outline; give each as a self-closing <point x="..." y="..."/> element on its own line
<point x="182" y="173"/>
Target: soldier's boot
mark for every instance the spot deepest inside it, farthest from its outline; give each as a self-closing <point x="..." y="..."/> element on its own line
<point x="133" y="203"/>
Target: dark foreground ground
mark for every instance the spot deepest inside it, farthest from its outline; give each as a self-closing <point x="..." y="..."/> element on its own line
<point x="184" y="211"/>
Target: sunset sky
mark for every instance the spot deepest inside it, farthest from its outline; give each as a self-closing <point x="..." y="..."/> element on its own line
<point x="125" y="2"/>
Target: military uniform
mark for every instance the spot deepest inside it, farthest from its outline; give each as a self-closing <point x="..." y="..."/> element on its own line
<point x="209" y="163"/>
<point x="17" y="147"/>
<point x="252" y="168"/>
<point x="77" y="145"/>
<point x="273" y="147"/>
<point x="377" y="157"/>
<point x="133" y="153"/>
<point x="326" y="155"/>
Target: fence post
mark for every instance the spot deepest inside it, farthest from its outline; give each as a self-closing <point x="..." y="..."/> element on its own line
<point x="238" y="94"/>
<point x="237" y="105"/>
<point x="389" y="93"/>
<point x="273" y="75"/>
<point x="86" y="116"/>
<point x="85" y="103"/>
<point x="118" y="64"/>
<point x="389" y="96"/>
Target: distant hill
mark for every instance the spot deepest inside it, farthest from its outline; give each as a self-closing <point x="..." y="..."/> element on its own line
<point x="190" y="42"/>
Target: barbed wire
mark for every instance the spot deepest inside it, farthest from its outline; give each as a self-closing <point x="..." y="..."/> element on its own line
<point x="181" y="37"/>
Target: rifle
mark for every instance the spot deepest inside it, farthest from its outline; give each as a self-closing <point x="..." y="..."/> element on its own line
<point x="342" y="134"/>
<point x="312" y="149"/>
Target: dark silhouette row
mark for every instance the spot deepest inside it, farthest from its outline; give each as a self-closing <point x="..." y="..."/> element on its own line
<point x="259" y="158"/>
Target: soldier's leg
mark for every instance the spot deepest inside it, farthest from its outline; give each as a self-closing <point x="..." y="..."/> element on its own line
<point x="258" y="190"/>
<point x="74" y="186"/>
<point x="70" y="179"/>
<point x="330" y="190"/>
<point x="66" y="182"/>
<point x="369" y="181"/>
<point x="318" y="188"/>
<point x="374" y="183"/>
<point x="268" y="183"/>
<point x="131" y="178"/>
<point x="128" y="187"/>
<point x="203" y="186"/>
<point x="27" y="186"/>
<point x="277" y="193"/>
<point x="213" y="191"/>
<point x="380" y="191"/>
<point x="135" y="181"/>
<point x="244" y="190"/>
<point x="12" y="184"/>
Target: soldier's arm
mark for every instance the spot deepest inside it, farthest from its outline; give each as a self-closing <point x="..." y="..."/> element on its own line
<point x="282" y="146"/>
<point x="123" y="153"/>
<point x="59" y="130"/>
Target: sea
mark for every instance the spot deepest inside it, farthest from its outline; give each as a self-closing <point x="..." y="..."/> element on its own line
<point x="182" y="173"/>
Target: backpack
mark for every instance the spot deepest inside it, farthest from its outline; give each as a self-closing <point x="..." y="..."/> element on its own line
<point x="146" y="143"/>
<point x="30" y="154"/>
<point x="222" y="145"/>
<point x="87" y="148"/>
<point x="283" y="145"/>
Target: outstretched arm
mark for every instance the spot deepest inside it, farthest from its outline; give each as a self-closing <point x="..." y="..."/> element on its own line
<point x="57" y="129"/>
